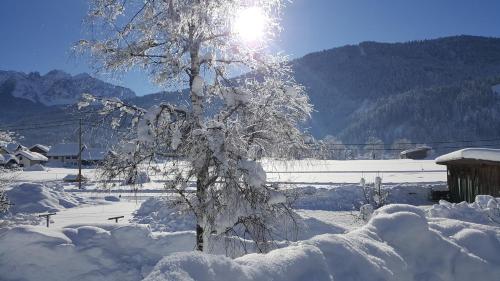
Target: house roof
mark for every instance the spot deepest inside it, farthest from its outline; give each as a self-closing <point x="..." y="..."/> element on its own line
<point x="41" y="147"/>
<point x="64" y="149"/>
<point x="416" y="149"/>
<point x="474" y="154"/>
<point x="31" y="155"/>
<point x="93" y="154"/>
<point x="6" y="158"/>
<point x="12" y="147"/>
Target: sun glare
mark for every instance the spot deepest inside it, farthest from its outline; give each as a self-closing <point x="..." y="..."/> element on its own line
<point x="250" y="24"/>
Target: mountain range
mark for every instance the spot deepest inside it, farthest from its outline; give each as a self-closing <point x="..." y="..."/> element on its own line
<point x="420" y="90"/>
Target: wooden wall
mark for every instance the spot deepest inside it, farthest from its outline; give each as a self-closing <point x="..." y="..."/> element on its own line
<point x="467" y="181"/>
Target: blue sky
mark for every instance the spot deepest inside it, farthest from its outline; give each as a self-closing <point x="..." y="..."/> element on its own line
<point x="36" y="35"/>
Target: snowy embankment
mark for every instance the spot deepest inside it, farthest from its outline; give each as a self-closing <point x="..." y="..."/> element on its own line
<point x="398" y="243"/>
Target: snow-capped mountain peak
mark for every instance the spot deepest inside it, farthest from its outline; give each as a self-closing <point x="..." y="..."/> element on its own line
<point x="58" y="87"/>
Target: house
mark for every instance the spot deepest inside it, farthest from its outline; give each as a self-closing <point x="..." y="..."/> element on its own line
<point x="8" y="161"/>
<point x="27" y="158"/>
<point x="415" y="153"/>
<point x="471" y="172"/>
<point x="93" y="156"/>
<point x="64" y="154"/>
<point x="39" y="148"/>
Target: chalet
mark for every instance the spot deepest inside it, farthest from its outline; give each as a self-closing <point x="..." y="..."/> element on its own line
<point x="41" y="149"/>
<point x="471" y="172"/>
<point x="65" y="154"/>
<point x="27" y="158"/>
<point x="415" y="153"/>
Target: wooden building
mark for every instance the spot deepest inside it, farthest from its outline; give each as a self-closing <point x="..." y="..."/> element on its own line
<point x="471" y="172"/>
<point x="415" y="153"/>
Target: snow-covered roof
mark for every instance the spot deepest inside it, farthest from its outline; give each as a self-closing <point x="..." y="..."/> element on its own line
<point x="13" y="147"/>
<point x="31" y="155"/>
<point x="5" y="158"/>
<point x="420" y="148"/>
<point x="482" y="154"/>
<point x="93" y="154"/>
<point x="41" y="147"/>
<point x="64" y="149"/>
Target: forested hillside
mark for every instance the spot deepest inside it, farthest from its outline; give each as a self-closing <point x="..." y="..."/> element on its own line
<point x="346" y="84"/>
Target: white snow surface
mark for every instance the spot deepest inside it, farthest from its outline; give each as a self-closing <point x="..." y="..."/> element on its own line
<point x="351" y="197"/>
<point x="398" y="243"/>
<point x="160" y="215"/>
<point x="487" y="154"/>
<point x="485" y="210"/>
<point x="38" y="198"/>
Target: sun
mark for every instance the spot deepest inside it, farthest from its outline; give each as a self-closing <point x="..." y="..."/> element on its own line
<point x="250" y="24"/>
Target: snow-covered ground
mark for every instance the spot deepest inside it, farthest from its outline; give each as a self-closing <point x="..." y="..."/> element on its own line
<point x="309" y="172"/>
<point x="155" y="241"/>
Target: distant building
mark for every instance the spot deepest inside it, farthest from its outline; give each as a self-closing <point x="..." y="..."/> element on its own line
<point x="471" y="172"/>
<point x="67" y="155"/>
<point x="93" y="156"/>
<point x="64" y="154"/>
<point x="415" y="153"/>
<point x="39" y="148"/>
<point x="28" y="158"/>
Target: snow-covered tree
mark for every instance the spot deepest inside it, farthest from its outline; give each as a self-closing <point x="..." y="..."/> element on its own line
<point x="243" y="104"/>
<point x="5" y="137"/>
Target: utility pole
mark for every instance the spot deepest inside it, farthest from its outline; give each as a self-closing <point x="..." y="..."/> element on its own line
<point x="80" y="156"/>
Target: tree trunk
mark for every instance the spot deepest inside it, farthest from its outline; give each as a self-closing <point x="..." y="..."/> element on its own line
<point x="197" y="104"/>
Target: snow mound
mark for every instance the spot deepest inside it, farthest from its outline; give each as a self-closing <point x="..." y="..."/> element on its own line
<point x="38" y="198"/>
<point x="485" y="210"/>
<point x="398" y="243"/>
<point x="161" y="215"/>
<point x="85" y="253"/>
<point x="35" y="168"/>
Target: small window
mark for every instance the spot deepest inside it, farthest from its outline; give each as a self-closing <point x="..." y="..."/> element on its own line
<point x="74" y="157"/>
<point x="68" y="157"/>
<point x="56" y="157"/>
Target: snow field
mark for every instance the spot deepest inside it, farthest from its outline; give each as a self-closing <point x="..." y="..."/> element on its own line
<point x="400" y="242"/>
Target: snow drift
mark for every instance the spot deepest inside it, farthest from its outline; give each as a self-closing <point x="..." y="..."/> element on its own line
<point x="398" y="243"/>
<point x="85" y="253"/>
<point x="485" y="210"/>
<point x="38" y="198"/>
<point x="160" y="215"/>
